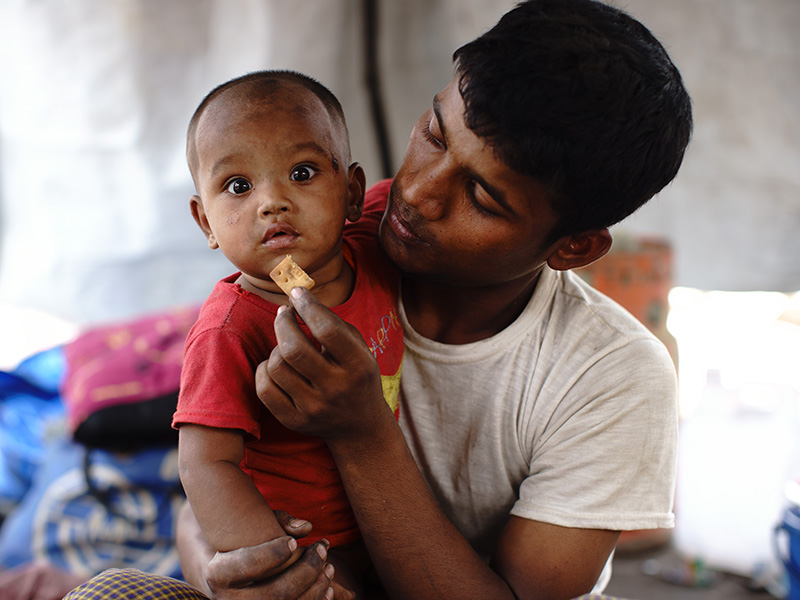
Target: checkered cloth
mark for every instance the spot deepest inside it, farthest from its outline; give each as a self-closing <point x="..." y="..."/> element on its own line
<point x="131" y="584"/>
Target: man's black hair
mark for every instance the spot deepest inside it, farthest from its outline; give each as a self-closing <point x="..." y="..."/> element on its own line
<point x="581" y="97"/>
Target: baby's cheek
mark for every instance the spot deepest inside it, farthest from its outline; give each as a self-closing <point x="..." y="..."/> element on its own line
<point x="233" y="218"/>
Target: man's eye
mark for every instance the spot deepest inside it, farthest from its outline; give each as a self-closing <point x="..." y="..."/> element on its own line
<point x="302" y="173"/>
<point x="428" y="135"/>
<point x="472" y="193"/>
<point x="239" y="186"/>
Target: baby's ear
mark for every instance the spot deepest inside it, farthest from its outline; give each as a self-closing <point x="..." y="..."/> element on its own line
<point x="579" y="249"/>
<point x="199" y="214"/>
<point x="356" y="187"/>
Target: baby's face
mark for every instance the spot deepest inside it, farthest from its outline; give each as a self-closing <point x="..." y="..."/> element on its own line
<point x="273" y="180"/>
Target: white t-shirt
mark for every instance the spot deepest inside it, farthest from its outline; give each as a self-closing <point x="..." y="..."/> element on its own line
<point x="568" y="416"/>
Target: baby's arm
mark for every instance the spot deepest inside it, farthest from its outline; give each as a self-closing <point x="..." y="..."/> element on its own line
<point x="231" y="511"/>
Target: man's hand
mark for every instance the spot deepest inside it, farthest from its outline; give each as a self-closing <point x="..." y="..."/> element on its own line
<point x="245" y="573"/>
<point x="334" y="393"/>
<point x="239" y="574"/>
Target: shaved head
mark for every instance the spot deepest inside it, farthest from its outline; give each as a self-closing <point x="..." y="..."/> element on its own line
<point x="259" y="89"/>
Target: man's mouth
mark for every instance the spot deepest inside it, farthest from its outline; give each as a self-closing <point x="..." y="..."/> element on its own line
<point x="398" y="223"/>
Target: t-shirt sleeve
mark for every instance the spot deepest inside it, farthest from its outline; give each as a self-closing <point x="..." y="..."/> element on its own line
<point x="607" y="457"/>
<point x="218" y="384"/>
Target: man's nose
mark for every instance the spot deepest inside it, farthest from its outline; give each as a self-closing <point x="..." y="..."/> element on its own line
<point x="429" y="189"/>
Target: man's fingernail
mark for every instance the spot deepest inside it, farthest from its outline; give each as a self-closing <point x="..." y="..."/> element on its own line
<point x="282" y="308"/>
<point x="297" y="292"/>
<point x="329" y="570"/>
<point x="292" y="545"/>
<point x="322" y="551"/>
<point x="298" y="523"/>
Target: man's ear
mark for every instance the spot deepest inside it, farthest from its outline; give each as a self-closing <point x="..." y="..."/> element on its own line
<point x="579" y="249"/>
<point x="356" y="188"/>
<point x="199" y="214"/>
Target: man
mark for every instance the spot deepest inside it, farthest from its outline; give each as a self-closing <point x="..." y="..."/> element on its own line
<point x="538" y="419"/>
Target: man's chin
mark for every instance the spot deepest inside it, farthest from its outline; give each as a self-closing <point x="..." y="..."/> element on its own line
<point x="392" y="247"/>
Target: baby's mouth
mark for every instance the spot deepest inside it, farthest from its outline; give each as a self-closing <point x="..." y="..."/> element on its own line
<point x="279" y="235"/>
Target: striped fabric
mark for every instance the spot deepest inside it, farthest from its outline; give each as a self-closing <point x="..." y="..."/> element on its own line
<point x="131" y="584"/>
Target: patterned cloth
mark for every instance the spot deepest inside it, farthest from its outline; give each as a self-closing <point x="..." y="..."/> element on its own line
<point x="131" y="584"/>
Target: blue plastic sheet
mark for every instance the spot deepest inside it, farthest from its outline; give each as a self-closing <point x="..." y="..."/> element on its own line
<point x="30" y="405"/>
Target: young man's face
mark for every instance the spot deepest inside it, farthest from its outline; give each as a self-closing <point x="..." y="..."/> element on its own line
<point x="457" y="212"/>
<point x="273" y="180"/>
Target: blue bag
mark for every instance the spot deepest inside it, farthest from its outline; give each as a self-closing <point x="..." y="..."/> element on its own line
<point x="93" y="509"/>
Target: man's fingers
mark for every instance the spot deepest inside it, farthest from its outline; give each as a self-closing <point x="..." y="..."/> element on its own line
<point x="245" y="565"/>
<point x="244" y="573"/>
<point x="270" y="376"/>
<point x="294" y="347"/>
<point x="341" y="340"/>
<point x="311" y="573"/>
<point x="277" y="383"/>
<point x="321" y="588"/>
<point x="297" y="528"/>
<point x="342" y="593"/>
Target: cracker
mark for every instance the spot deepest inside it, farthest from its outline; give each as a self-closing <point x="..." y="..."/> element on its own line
<point x="288" y="274"/>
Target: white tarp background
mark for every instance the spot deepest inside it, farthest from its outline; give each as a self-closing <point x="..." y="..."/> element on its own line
<point x="95" y="97"/>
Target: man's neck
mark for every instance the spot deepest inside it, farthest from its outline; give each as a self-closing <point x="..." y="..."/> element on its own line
<point x="459" y="315"/>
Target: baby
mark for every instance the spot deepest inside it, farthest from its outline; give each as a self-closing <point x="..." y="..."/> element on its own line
<point x="270" y="157"/>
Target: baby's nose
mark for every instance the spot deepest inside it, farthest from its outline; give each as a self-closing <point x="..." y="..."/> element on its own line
<point x="274" y="201"/>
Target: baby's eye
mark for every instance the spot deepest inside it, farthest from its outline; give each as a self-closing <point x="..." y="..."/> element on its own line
<point x="302" y="173"/>
<point x="238" y="186"/>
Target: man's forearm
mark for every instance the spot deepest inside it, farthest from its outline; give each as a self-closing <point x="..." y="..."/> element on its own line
<point x="417" y="551"/>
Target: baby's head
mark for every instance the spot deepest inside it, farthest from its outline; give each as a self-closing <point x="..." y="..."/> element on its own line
<point x="260" y="88"/>
<point x="270" y="158"/>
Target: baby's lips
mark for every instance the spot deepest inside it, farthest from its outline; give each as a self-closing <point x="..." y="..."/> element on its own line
<point x="276" y="229"/>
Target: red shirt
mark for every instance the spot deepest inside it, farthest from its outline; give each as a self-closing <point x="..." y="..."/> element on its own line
<point x="234" y="333"/>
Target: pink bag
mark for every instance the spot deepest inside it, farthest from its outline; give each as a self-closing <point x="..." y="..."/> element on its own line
<point x="121" y="382"/>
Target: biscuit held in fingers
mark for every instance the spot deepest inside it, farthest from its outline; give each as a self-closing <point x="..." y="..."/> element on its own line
<point x="288" y="275"/>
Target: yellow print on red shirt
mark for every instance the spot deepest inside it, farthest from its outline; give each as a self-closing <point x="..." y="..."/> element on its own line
<point x="391" y="388"/>
<point x="389" y="324"/>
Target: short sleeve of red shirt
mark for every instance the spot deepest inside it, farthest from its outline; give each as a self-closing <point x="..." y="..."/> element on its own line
<point x="216" y="362"/>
